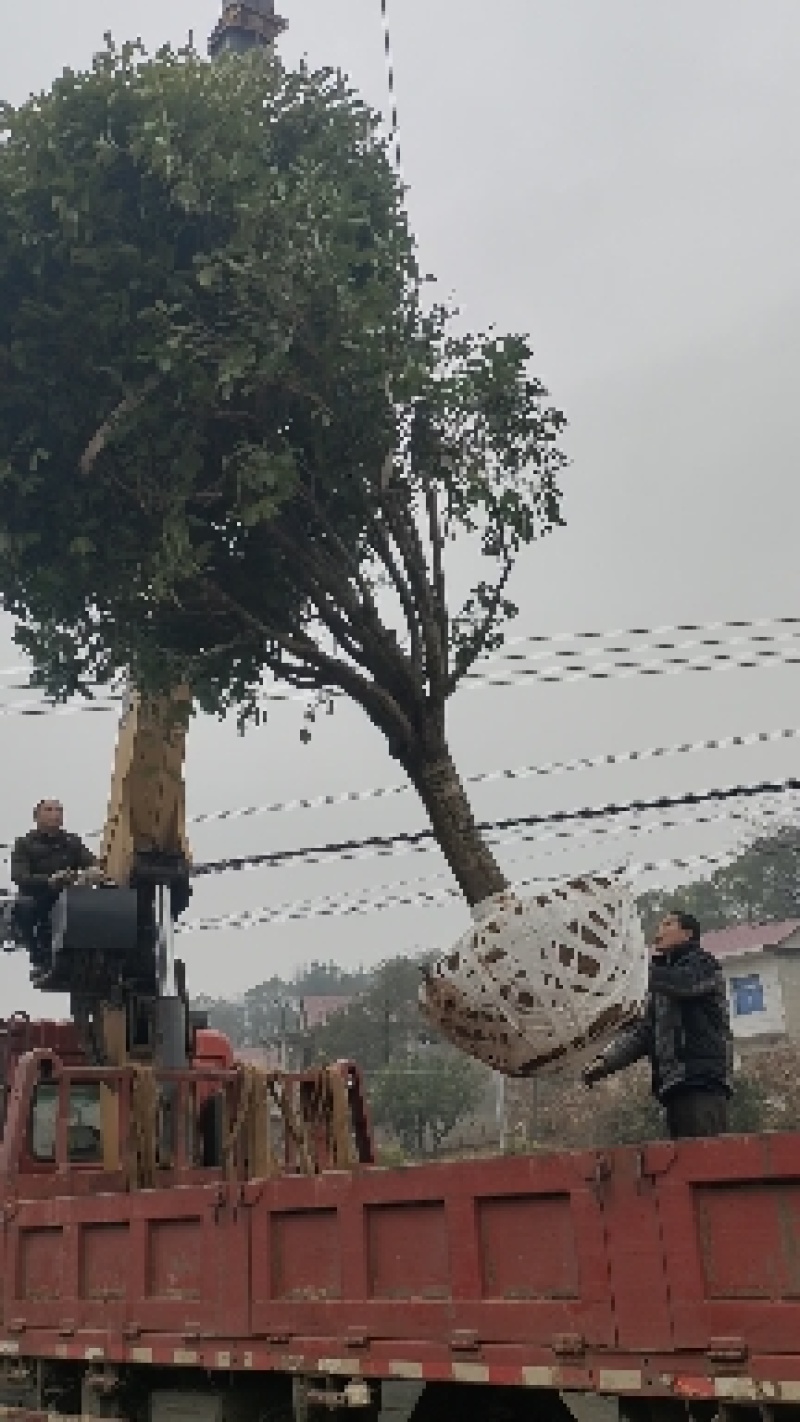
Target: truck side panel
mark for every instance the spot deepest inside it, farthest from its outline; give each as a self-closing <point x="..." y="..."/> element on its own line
<point x="150" y="1262"/>
<point x="513" y="1251"/>
<point x="664" y="1270"/>
<point x="730" y="1220"/>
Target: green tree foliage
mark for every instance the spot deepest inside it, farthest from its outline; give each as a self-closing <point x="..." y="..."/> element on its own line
<point x="235" y="438"/>
<point x="637" y="1116"/>
<point x="760" y="885"/>
<point x="421" y="1099"/>
<point x="382" y="1023"/>
<point x="318" y="979"/>
<point x="227" y="1017"/>
<point x="750" y="1109"/>
<point x="274" y="1006"/>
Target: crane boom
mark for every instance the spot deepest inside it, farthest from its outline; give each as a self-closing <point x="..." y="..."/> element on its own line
<point x="147" y="804"/>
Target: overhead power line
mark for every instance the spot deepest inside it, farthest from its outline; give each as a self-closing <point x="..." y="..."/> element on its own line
<point x="394" y="135"/>
<point x="377" y="900"/>
<point x="593" y="831"/>
<point x="42" y="708"/>
<point x="759" y="657"/>
<point x="594" y="634"/>
<point x="345" y="849"/>
<point x="420" y="884"/>
<point x="482" y="675"/>
<point x="623" y="646"/>
<point x="490" y="777"/>
<point x="666" y="629"/>
<point x="626" y="670"/>
<point x="693" y="819"/>
<point x="433" y="891"/>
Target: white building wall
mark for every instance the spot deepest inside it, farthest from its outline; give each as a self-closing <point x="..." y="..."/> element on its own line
<point x="771" y="1020"/>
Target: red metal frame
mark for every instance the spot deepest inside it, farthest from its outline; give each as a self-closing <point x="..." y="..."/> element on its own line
<point x="661" y="1270"/>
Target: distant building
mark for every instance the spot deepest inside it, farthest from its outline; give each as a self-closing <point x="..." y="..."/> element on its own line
<point x="761" y="964"/>
<point x="316" y="1011"/>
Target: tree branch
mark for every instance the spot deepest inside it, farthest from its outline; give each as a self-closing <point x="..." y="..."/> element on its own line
<point x="361" y="632"/>
<point x="436" y="541"/>
<point x="384" y="552"/>
<point x="478" y="644"/>
<point x="406" y="537"/>
<point x="378" y="704"/>
<point x="101" y="437"/>
<point x="344" y="553"/>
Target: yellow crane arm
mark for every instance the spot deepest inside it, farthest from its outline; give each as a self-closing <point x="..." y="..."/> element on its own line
<point x="147" y="805"/>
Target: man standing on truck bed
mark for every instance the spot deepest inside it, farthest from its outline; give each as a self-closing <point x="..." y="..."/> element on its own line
<point x="43" y="861"/>
<point x="685" y="1031"/>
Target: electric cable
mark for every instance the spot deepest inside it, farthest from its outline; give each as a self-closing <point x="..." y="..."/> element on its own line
<point x="394" y="135"/>
<point x="477" y="678"/>
<point x="339" y="906"/>
<point x="422" y="885"/>
<point x="661" y="630"/>
<point x="623" y="647"/>
<point x="489" y="777"/>
<point x="345" y="848"/>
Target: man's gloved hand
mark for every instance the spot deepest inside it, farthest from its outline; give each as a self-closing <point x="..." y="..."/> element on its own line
<point x="592" y="1073"/>
<point x="95" y="875"/>
<point x="57" y="881"/>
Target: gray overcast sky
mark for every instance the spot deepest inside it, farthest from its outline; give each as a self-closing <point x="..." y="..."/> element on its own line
<point x="620" y="180"/>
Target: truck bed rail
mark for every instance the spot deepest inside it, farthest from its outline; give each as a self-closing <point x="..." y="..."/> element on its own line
<point x="664" y="1270"/>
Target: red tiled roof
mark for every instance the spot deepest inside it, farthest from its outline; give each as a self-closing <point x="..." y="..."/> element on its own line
<point x="748" y="937"/>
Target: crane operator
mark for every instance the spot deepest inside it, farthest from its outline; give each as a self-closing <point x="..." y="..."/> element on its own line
<point x="43" y="862"/>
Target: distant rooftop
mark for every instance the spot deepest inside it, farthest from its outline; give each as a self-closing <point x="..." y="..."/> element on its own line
<point x="748" y="937"/>
<point x="319" y="1009"/>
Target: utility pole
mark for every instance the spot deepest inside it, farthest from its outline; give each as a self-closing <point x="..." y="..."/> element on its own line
<point x="500" y="1083"/>
<point x="283" y="1037"/>
<point x="387" y="1043"/>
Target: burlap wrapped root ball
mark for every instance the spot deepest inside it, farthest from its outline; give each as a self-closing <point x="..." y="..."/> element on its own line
<point x="540" y="985"/>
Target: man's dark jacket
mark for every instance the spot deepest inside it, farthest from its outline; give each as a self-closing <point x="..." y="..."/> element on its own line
<point x="685" y="1028"/>
<point x="39" y="855"/>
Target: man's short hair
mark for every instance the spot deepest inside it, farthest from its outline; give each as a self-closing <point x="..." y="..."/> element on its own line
<point x="45" y="800"/>
<point x="689" y="923"/>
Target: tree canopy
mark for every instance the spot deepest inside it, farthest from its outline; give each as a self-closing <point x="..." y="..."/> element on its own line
<point x="236" y="436"/>
<point x="759" y="885"/>
<point x="422" y="1099"/>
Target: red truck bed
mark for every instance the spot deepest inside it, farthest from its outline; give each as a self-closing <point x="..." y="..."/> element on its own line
<point x="667" y="1270"/>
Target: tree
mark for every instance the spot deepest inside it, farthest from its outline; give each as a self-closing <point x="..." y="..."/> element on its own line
<point x="750" y="1106"/>
<point x="235" y="437"/>
<point x="328" y="980"/>
<point x="380" y="1024"/>
<point x="223" y="1016"/>
<point x="630" y="1118"/>
<point x="761" y="884"/>
<point x="421" y="1099"/>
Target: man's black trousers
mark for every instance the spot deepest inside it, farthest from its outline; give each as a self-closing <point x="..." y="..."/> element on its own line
<point x="696" y="1113"/>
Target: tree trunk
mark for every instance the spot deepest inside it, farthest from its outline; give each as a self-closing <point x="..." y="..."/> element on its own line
<point x="476" y="870"/>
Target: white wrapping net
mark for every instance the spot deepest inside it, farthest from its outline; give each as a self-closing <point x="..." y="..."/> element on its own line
<point x="540" y="984"/>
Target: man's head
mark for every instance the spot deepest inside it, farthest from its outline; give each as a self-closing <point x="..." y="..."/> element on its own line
<point x="676" y="929"/>
<point x="48" y="816"/>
